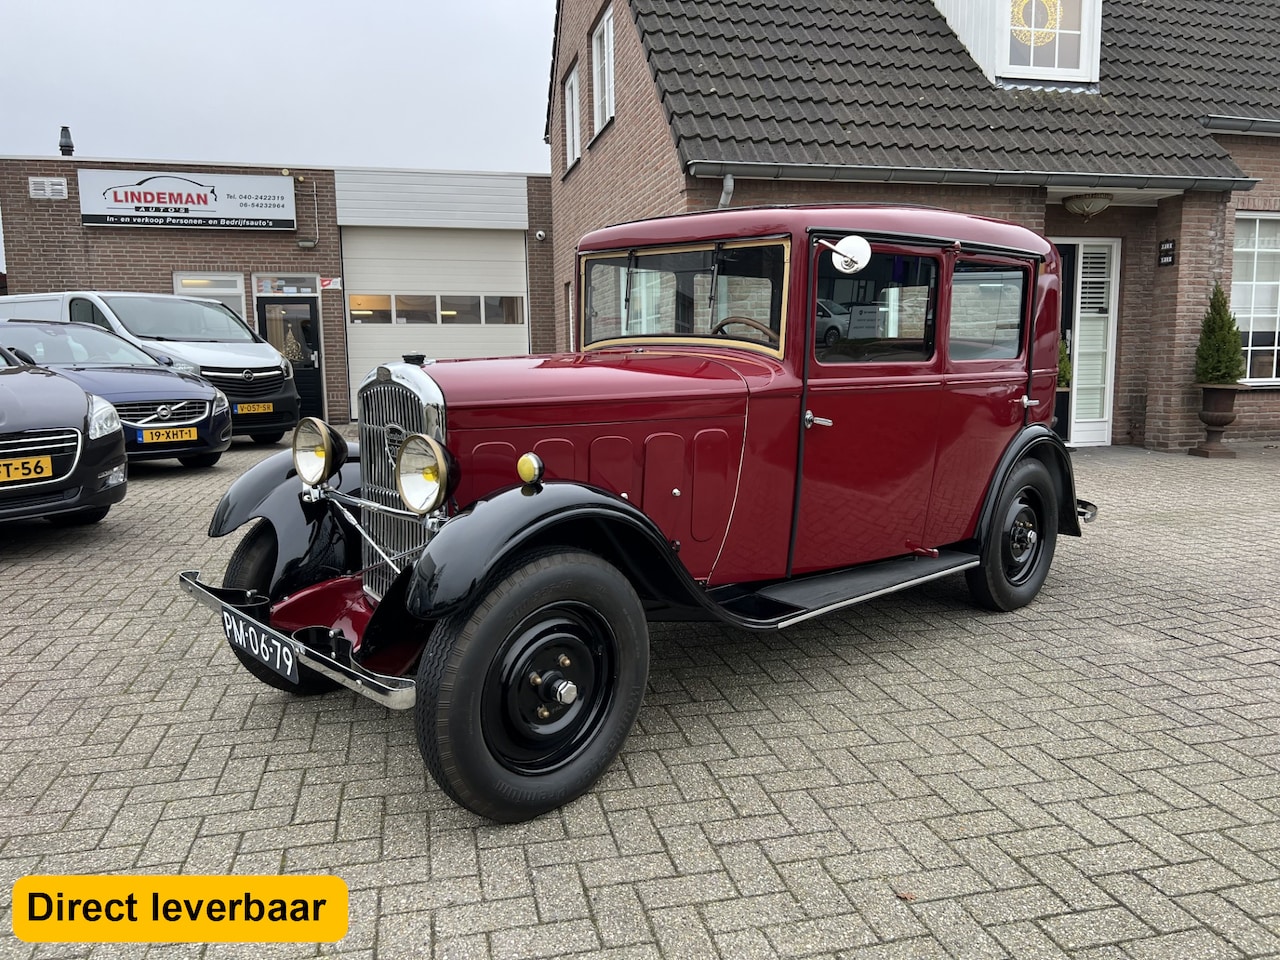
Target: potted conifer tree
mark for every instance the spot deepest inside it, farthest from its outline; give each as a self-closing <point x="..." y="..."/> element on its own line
<point x="1219" y="367"/>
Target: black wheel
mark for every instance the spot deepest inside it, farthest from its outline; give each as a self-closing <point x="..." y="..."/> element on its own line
<point x="250" y="568"/>
<point x="831" y="336"/>
<point x="200" y="460"/>
<point x="266" y="439"/>
<point x="526" y="695"/>
<point x="1019" y="545"/>
<point x="79" y="518"/>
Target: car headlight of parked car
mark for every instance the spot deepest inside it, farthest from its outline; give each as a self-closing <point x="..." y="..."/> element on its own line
<point x="103" y="419"/>
<point x="287" y="369"/>
<point x="186" y="366"/>
<point x="318" y="451"/>
<point x="220" y="402"/>
<point x="422" y="473"/>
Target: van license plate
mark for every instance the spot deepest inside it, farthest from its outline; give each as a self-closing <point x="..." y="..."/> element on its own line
<point x="167" y="435"/>
<point x="26" y="468"/>
<point x="259" y="643"/>
<point x="255" y="407"/>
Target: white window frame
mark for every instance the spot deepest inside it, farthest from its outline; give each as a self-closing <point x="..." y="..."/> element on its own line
<point x="572" y="124"/>
<point x="1244" y="296"/>
<point x="216" y="286"/>
<point x="602" y="72"/>
<point x="1090" y="38"/>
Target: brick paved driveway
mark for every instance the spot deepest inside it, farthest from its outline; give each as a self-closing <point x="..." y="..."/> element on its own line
<point x="1097" y="775"/>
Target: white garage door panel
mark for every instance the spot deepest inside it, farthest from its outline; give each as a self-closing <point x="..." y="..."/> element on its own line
<point x="372" y="345"/>
<point x="433" y="261"/>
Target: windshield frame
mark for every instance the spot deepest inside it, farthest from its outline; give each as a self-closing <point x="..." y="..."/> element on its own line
<point x="714" y="247"/>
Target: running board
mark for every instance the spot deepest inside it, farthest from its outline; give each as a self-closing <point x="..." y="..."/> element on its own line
<point x="791" y="601"/>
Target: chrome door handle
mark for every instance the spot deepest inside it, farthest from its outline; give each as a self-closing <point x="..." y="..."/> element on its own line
<point x="810" y="420"/>
<point x="1028" y="402"/>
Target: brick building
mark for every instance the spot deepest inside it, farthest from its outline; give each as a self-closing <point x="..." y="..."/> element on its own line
<point x="1141" y="138"/>
<point x="382" y="261"/>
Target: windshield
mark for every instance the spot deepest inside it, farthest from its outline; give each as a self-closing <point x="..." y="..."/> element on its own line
<point x="161" y="318"/>
<point x="66" y="345"/>
<point x="722" y="291"/>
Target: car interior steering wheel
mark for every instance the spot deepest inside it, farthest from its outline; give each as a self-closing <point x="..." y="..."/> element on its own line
<point x="754" y="324"/>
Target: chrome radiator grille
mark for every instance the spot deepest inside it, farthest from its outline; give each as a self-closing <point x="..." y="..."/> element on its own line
<point x="389" y="411"/>
<point x="62" y="447"/>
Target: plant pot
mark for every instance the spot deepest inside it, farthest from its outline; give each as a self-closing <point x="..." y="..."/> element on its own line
<point x="1217" y="412"/>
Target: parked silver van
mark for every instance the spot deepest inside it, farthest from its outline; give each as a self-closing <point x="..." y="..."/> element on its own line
<point x="202" y="336"/>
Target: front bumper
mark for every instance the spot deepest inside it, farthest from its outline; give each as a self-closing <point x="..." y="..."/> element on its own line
<point x="316" y="648"/>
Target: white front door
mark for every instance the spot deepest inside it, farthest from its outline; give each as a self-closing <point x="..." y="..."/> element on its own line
<point x="1093" y="339"/>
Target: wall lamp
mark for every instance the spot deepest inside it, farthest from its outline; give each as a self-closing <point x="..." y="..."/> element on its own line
<point x="1087" y="205"/>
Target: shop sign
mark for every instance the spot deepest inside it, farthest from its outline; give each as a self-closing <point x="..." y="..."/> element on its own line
<point x="150" y="198"/>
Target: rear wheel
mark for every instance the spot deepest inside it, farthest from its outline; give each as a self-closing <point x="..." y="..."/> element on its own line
<point x="250" y="568"/>
<point x="200" y="460"/>
<point x="526" y="696"/>
<point x="1019" y="546"/>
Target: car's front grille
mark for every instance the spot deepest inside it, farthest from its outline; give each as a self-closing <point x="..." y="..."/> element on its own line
<point x="163" y="413"/>
<point x="388" y="412"/>
<point x="62" y="447"/>
<point x="232" y="381"/>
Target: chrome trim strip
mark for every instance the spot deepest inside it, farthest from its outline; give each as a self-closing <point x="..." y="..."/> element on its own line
<point x="862" y="598"/>
<point x="397" y="693"/>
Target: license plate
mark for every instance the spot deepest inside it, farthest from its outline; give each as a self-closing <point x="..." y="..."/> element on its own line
<point x="167" y="435"/>
<point x="26" y="468"/>
<point x="255" y="407"/>
<point x="259" y="643"/>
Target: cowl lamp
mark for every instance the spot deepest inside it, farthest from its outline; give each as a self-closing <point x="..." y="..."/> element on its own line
<point x="1087" y="205"/>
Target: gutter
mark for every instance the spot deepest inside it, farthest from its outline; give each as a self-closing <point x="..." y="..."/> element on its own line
<point x="1254" y="126"/>
<point x="944" y="175"/>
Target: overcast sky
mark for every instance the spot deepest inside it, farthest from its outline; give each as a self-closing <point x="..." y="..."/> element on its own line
<point x="425" y="84"/>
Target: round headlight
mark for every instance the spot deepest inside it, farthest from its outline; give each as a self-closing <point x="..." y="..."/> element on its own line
<point x="313" y="455"/>
<point x="421" y="473"/>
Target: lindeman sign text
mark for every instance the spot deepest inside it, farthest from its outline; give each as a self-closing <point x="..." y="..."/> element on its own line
<point x="201" y="198"/>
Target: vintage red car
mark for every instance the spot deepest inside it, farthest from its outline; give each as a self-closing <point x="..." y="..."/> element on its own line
<point x="492" y="550"/>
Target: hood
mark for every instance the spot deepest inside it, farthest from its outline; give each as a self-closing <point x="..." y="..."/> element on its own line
<point x="33" y="398"/>
<point x="254" y="356"/>
<point x="124" y="384"/>
<point x="598" y="387"/>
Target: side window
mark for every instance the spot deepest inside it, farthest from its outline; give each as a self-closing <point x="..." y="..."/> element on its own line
<point x="83" y="311"/>
<point x="988" y="311"/>
<point x="883" y="314"/>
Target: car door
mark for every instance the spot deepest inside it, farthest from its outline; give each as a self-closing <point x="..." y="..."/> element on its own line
<point x="870" y="412"/>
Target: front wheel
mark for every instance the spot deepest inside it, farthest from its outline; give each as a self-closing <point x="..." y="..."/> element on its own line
<point x="250" y="568"/>
<point x="79" y="518"/>
<point x="526" y="695"/>
<point x="200" y="460"/>
<point x="266" y="439"/>
<point x="1019" y="545"/>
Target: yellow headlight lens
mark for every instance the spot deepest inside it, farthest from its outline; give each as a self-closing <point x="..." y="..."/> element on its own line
<point x="312" y="453"/>
<point x="421" y="473"/>
<point x="530" y="468"/>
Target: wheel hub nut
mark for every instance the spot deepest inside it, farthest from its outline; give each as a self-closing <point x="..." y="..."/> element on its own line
<point x="565" y="691"/>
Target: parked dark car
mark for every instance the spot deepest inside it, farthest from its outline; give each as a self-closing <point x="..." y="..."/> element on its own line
<point x="61" y="449"/>
<point x="166" y="414"/>
<point x="492" y="551"/>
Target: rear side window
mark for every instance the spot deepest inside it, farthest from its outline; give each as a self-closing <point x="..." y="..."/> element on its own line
<point x="988" y="312"/>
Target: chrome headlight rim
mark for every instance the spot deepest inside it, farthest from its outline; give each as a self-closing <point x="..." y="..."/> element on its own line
<point x="314" y="456"/>
<point x="430" y="499"/>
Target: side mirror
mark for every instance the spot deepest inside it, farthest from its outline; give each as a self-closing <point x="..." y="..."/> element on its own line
<point x="850" y="254"/>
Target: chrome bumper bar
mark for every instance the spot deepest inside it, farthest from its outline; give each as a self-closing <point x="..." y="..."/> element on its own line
<point x="1086" y="511"/>
<point x="334" y="662"/>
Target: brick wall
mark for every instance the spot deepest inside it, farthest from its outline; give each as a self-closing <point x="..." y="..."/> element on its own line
<point x="47" y="248"/>
<point x="540" y="260"/>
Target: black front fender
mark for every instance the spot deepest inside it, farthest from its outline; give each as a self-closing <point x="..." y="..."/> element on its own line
<point x="461" y="558"/>
<point x="270" y="490"/>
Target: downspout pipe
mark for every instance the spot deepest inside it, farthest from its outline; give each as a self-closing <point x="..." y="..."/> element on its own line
<point x="726" y="194"/>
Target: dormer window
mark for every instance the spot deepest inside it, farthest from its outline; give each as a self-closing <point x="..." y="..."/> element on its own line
<point x="1053" y="40"/>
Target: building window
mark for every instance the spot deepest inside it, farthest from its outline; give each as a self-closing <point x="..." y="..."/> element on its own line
<point x="489" y="310"/>
<point x="1054" y="40"/>
<point x="226" y="287"/>
<point x="1255" y="294"/>
<point x="366" y="308"/>
<point x="602" y="72"/>
<point x="572" y="142"/>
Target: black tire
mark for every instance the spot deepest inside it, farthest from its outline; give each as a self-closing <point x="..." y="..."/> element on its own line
<point x="563" y="615"/>
<point x="1018" y="548"/>
<point x="831" y="337"/>
<point x="200" y="460"/>
<point x="79" y="518"/>
<point x="250" y="568"/>
<point x="266" y="439"/>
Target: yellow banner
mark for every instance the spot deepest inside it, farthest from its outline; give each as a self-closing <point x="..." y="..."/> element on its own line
<point x="180" y="909"/>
